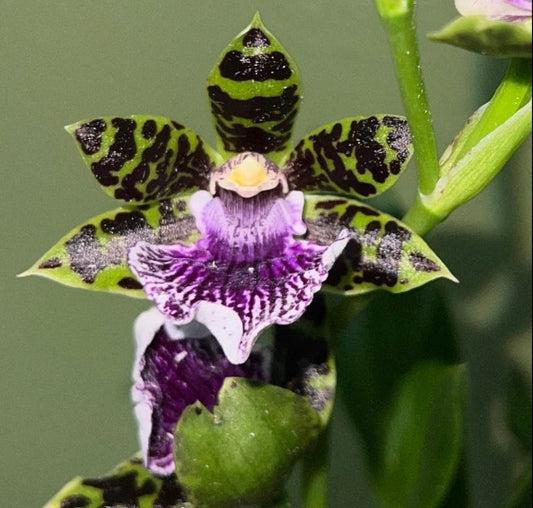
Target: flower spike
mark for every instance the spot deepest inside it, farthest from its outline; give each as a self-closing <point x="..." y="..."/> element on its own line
<point x="226" y="244"/>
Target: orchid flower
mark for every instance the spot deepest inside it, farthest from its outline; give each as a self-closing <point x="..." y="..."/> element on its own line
<point x="500" y="28"/>
<point x="508" y="10"/>
<point x="243" y="237"/>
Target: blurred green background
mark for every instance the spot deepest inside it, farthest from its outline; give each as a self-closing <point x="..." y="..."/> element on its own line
<point x="66" y="354"/>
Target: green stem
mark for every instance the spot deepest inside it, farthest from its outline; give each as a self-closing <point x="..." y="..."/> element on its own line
<point x="513" y="92"/>
<point x="420" y="219"/>
<point x="315" y="474"/>
<point x="397" y="17"/>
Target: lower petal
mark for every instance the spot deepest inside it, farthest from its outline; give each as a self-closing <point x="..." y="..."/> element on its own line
<point x="235" y="302"/>
<point x="245" y="273"/>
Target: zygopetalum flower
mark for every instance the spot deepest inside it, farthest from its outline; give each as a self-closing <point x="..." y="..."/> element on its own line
<point x="500" y="28"/>
<point x="243" y="238"/>
<point x="505" y="10"/>
<point x="226" y="243"/>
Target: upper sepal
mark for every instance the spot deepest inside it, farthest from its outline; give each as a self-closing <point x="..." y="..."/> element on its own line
<point x="93" y="255"/>
<point x="358" y="156"/>
<point x="383" y="253"/>
<point x="140" y="159"/>
<point x="493" y="37"/>
<point x="129" y="484"/>
<point x="254" y="90"/>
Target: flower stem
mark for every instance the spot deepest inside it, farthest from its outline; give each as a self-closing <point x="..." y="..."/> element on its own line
<point x="420" y="219"/>
<point x="315" y="474"/>
<point x="397" y="17"/>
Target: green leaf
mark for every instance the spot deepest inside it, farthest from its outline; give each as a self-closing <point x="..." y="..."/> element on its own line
<point x="521" y="490"/>
<point x="422" y="437"/>
<point x="141" y="159"/>
<point x="519" y="407"/>
<point x="242" y="453"/>
<point x="387" y="339"/>
<point x="129" y="484"/>
<point x="488" y="36"/>
<point x="360" y="156"/>
<point x="383" y="254"/>
<point x="254" y="90"/>
<point x="94" y="254"/>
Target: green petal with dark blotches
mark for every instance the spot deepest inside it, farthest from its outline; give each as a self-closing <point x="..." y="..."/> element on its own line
<point x="93" y="255"/>
<point x="140" y="159"/>
<point x="488" y="36"/>
<point x="129" y="484"/>
<point x="359" y="156"/>
<point x="383" y="254"/>
<point x="316" y="383"/>
<point x="242" y="453"/>
<point x="254" y="90"/>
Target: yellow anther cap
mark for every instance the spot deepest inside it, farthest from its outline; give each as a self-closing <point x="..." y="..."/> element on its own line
<point x="248" y="173"/>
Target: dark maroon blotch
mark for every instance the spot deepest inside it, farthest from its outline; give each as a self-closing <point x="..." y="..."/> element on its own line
<point x="328" y="151"/>
<point x="85" y="256"/>
<point x="89" y="135"/>
<point x="158" y="153"/>
<point x="257" y="109"/>
<point x="239" y="67"/>
<point x="121" y="150"/>
<point x="399" y="139"/>
<point x="255" y="38"/>
<point x="122" y="489"/>
<point x="149" y="129"/>
<point x="51" y="263"/>
<point x="238" y="138"/>
<point x="130" y="283"/>
<point x="422" y="263"/>
<point x="124" y="223"/>
<point x="75" y="501"/>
